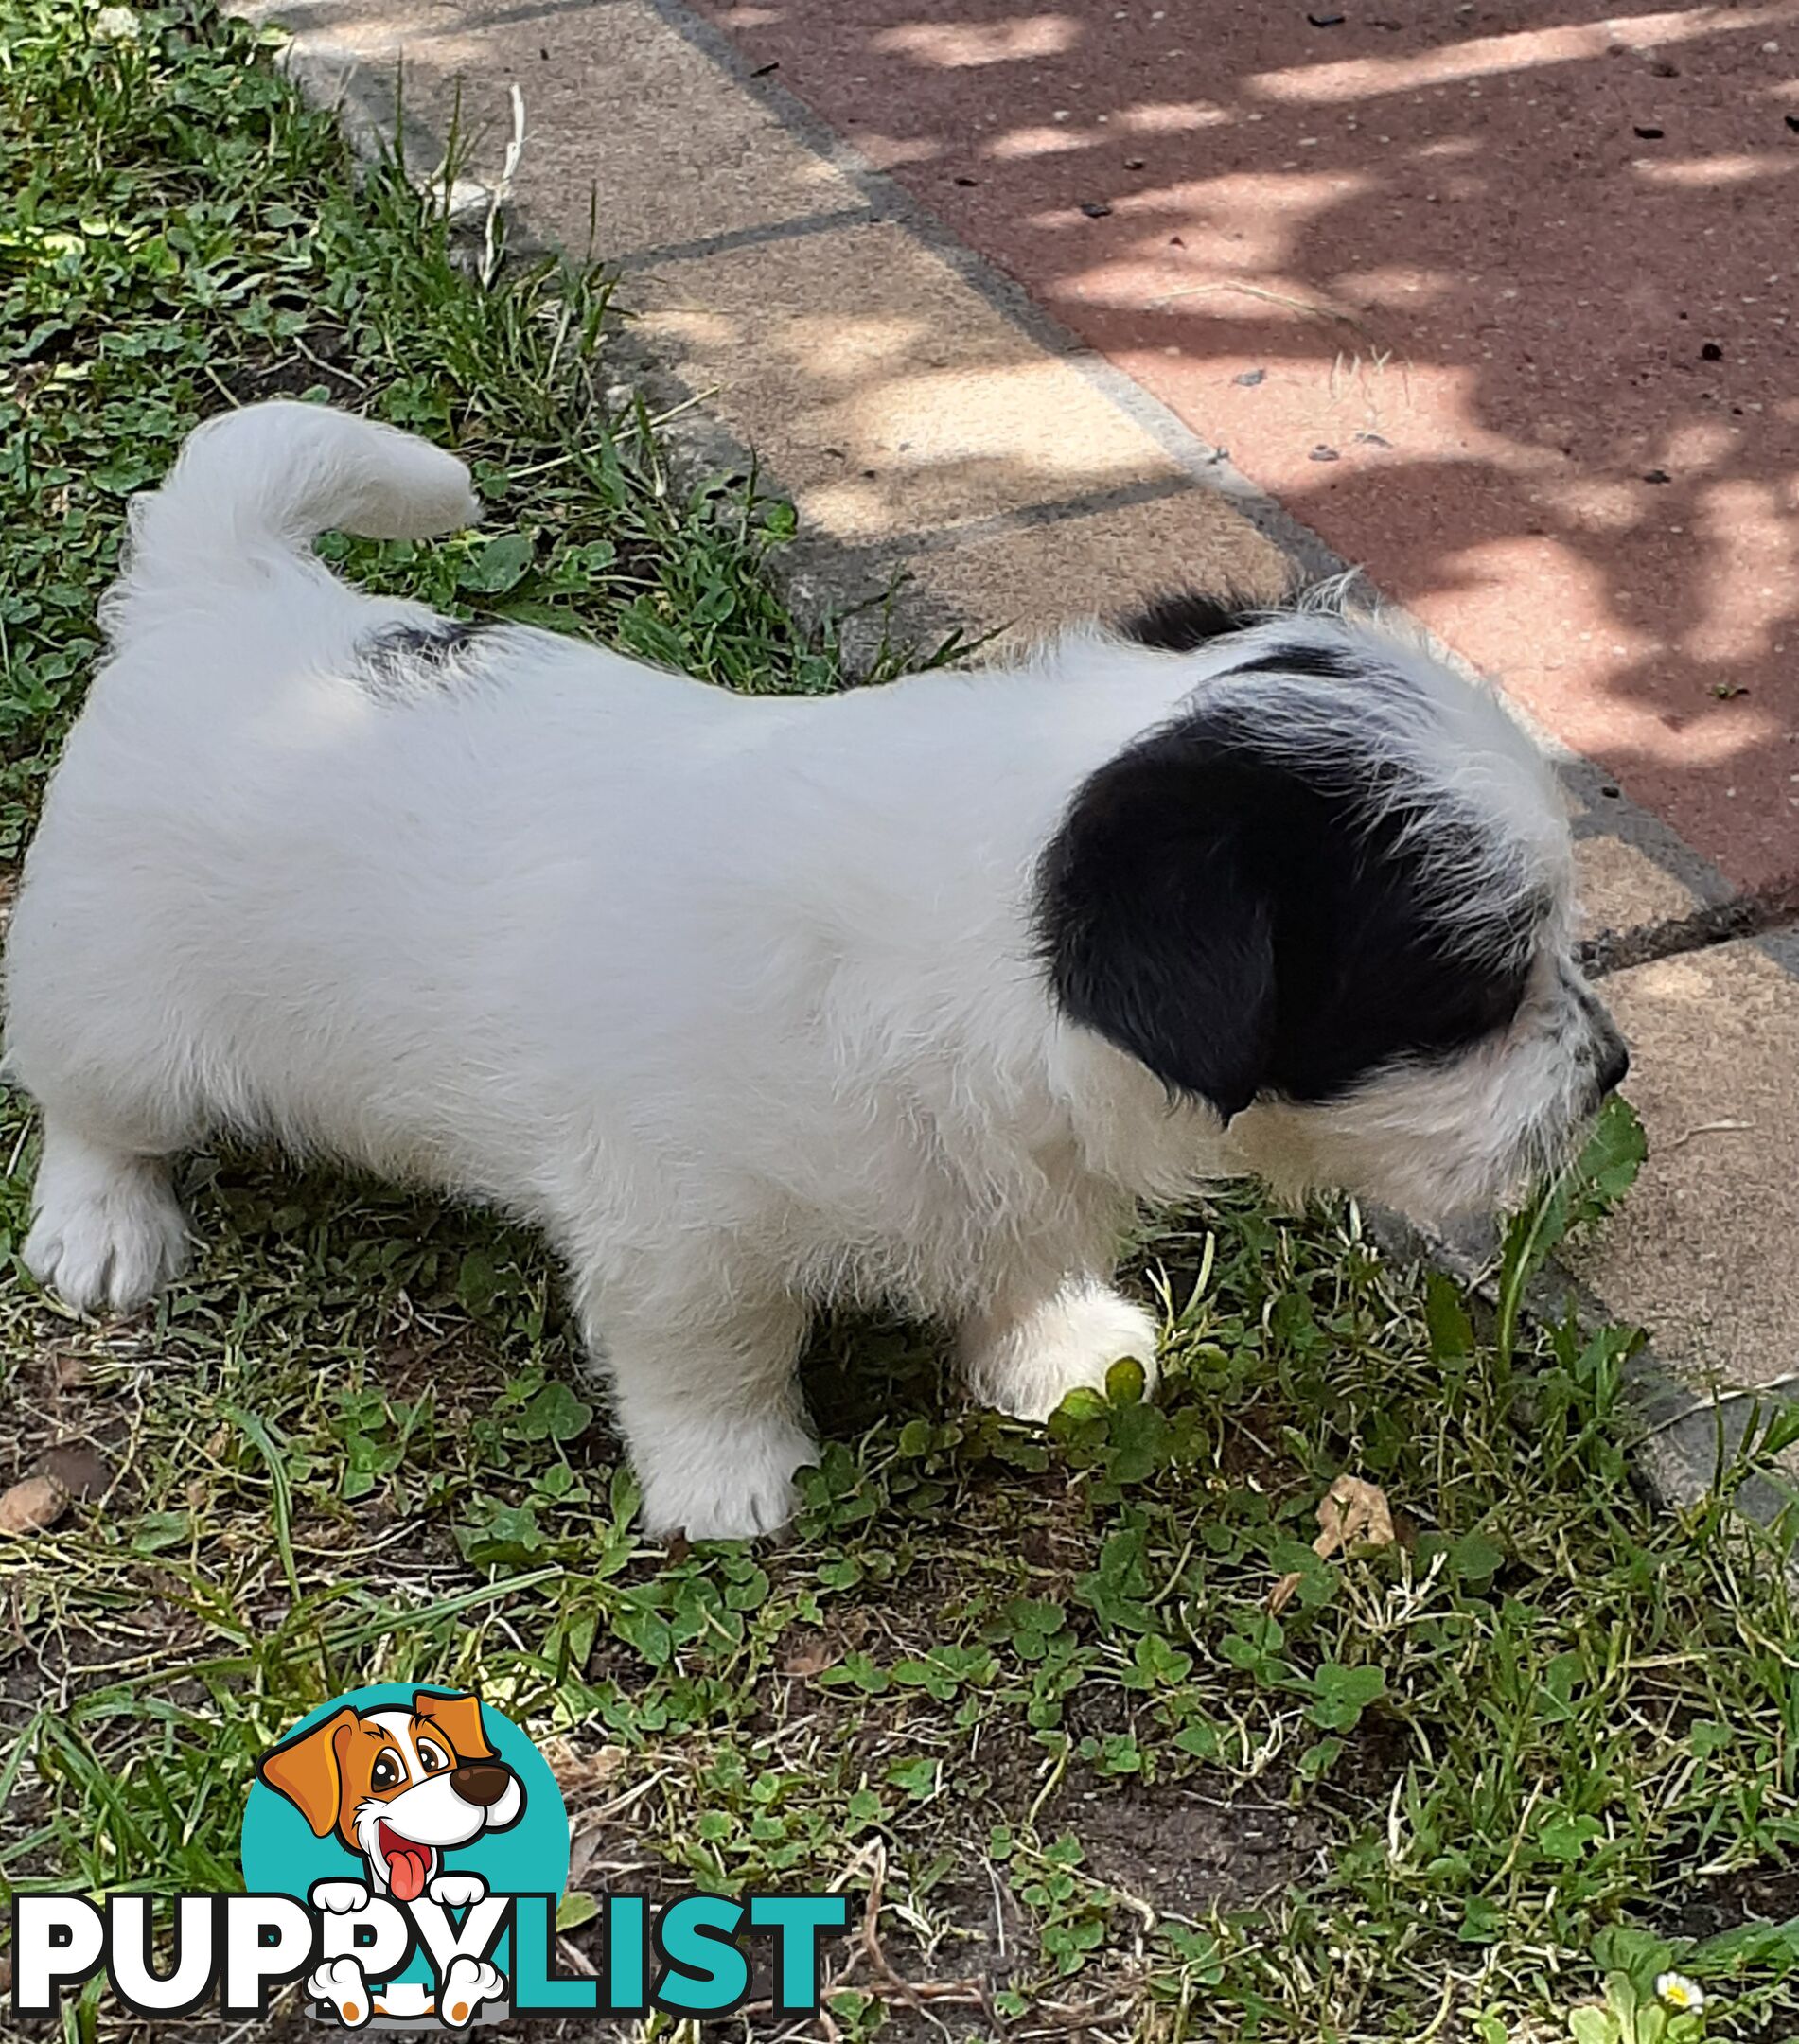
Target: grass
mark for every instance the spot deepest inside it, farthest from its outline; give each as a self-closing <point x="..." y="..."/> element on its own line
<point x="1022" y="1693"/>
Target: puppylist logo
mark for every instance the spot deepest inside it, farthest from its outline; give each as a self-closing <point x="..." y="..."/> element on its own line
<point x="404" y="1854"/>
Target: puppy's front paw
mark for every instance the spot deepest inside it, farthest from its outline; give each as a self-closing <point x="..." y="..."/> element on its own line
<point x="1026" y="1363"/>
<point x="467" y="1985"/>
<point x="731" y="1484"/>
<point x="109" y="1244"/>
<point x="339" y="1897"/>
<point x="339" y="1986"/>
<point x="457" y="1891"/>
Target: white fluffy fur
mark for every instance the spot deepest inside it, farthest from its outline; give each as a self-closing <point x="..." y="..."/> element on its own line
<point x="738" y="999"/>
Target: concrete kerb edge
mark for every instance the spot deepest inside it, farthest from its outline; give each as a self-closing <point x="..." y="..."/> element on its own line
<point x="1684" y="1432"/>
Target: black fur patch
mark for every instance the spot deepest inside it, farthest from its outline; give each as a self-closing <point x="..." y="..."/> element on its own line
<point x="1183" y="620"/>
<point x="1320" y="662"/>
<point x="1243" y="925"/>
<point x="407" y="660"/>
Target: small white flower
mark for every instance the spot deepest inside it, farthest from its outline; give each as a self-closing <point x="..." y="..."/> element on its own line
<point x="1675" y="1991"/>
<point x="116" y="25"/>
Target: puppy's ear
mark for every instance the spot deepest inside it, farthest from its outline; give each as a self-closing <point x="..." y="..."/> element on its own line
<point x="1157" y="931"/>
<point x="458" y="1717"/>
<point x="305" y="1770"/>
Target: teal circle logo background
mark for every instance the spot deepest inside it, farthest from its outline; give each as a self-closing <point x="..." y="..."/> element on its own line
<point x="282" y="1856"/>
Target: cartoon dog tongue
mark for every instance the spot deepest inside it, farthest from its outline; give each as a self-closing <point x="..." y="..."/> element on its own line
<point x="407" y="1866"/>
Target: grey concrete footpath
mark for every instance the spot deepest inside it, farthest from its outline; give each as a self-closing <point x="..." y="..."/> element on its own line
<point x="926" y="417"/>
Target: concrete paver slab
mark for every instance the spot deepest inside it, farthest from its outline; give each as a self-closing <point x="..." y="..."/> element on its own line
<point x="890" y="398"/>
<point x="1621" y="888"/>
<point x="1706" y="1252"/>
<point x="610" y="94"/>
<point x="1032" y="576"/>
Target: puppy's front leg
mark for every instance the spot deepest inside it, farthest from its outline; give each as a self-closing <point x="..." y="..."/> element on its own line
<point x="708" y="1406"/>
<point x="109" y="1231"/>
<point x="1024" y="1354"/>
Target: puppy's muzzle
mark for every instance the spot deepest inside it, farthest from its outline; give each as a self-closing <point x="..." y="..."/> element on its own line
<point x="480" y="1783"/>
<point x="1615" y="1063"/>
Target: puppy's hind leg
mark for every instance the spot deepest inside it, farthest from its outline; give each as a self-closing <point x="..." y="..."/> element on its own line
<point x="1023" y="1355"/>
<point x="109" y="1230"/>
<point x="706" y="1397"/>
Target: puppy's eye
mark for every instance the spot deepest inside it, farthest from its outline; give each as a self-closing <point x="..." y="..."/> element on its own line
<point x="386" y="1772"/>
<point x="434" y="1759"/>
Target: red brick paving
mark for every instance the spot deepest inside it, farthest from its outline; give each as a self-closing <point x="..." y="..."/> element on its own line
<point x="1497" y="298"/>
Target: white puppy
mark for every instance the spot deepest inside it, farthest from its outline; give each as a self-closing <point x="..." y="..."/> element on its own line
<point x="904" y="993"/>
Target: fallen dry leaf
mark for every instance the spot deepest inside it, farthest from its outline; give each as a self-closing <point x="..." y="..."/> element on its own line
<point x="32" y="1505"/>
<point x="811" y="1653"/>
<point x="1351" y="1515"/>
<point x="579" y="1774"/>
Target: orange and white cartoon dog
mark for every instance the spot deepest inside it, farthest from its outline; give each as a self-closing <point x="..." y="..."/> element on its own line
<point x="399" y="1787"/>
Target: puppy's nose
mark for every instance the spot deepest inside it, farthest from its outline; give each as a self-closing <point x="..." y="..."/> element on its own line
<point x="1615" y="1063"/>
<point x="479" y="1783"/>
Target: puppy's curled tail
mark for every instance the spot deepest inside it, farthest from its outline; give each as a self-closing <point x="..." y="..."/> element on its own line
<point x="268" y="480"/>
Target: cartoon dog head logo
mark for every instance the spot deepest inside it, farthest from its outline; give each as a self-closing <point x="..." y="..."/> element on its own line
<point x="412" y="1824"/>
<point x="406" y="1859"/>
<point x="399" y="1787"/>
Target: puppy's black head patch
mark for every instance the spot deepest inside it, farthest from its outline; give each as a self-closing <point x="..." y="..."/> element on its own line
<point x="1316" y="662"/>
<point x="1181" y="621"/>
<point x="1245" y="920"/>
